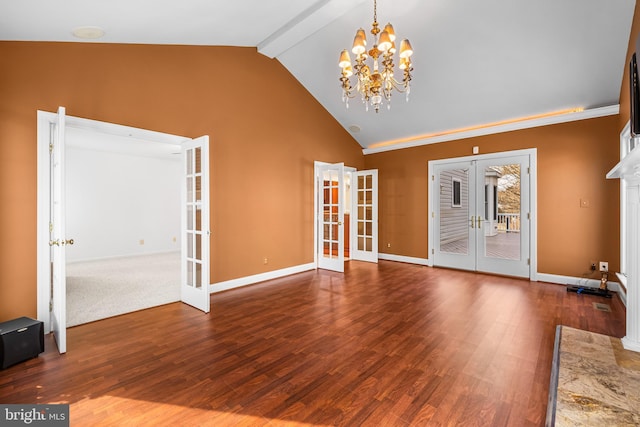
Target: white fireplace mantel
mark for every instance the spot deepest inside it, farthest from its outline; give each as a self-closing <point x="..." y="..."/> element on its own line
<point x="628" y="171"/>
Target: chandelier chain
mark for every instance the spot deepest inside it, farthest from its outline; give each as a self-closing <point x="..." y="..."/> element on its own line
<point x="375" y="11"/>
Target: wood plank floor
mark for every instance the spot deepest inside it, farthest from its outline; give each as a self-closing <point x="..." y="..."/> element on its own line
<point x="391" y="344"/>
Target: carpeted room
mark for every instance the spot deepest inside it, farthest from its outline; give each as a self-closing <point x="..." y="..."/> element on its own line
<point x="123" y="213"/>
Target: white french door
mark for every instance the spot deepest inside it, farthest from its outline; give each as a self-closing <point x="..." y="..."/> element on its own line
<point x="57" y="237"/>
<point x="481" y="214"/>
<point x="341" y="190"/>
<point x="330" y="184"/>
<point x="364" y="216"/>
<point x="194" y="288"/>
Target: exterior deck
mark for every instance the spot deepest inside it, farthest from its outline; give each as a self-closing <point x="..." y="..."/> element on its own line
<point x="502" y="245"/>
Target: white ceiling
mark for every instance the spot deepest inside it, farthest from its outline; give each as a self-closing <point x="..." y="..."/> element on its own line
<point x="476" y="62"/>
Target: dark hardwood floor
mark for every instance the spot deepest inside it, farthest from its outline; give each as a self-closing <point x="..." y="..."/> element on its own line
<point x="383" y="345"/>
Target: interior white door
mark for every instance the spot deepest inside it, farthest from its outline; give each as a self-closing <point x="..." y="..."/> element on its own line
<point x="57" y="238"/>
<point x="482" y="215"/>
<point x="330" y="182"/>
<point x="194" y="289"/>
<point x="454" y="215"/>
<point x="364" y="215"/>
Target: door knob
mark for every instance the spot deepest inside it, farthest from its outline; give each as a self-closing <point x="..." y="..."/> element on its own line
<point x="54" y="242"/>
<point x="472" y="219"/>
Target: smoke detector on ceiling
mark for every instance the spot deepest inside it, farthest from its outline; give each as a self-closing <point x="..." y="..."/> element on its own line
<point x="354" y="128"/>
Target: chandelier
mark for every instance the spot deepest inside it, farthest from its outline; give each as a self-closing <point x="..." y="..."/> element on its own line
<point x="375" y="82"/>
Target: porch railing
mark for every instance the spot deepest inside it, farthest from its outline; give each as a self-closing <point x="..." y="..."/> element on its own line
<point x="509" y="222"/>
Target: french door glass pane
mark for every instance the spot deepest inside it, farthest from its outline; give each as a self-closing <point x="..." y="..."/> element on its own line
<point x="454" y="211"/>
<point x="330" y="226"/>
<point x="501" y="225"/>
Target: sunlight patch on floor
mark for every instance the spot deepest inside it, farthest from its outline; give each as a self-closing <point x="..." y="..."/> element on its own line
<point x="114" y="410"/>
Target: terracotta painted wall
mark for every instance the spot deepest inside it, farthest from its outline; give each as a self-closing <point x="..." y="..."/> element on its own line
<point x="266" y="131"/>
<point x="573" y="159"/>
<point x="577" y="154"/>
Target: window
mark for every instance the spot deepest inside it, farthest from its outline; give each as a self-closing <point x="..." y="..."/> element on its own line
<point x="455" y="193"/>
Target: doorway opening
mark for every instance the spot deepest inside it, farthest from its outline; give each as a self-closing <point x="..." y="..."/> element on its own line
<point x="346" y="215"/>
<point x="52" y="238"/>
<point x="482" y="213"/>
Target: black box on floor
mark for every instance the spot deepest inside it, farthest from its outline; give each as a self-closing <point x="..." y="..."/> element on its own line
<point x="20" y="339"/>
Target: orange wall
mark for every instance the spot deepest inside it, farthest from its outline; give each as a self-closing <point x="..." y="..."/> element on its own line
<point x="266" y="131"/>
<point x="573" y="159"/>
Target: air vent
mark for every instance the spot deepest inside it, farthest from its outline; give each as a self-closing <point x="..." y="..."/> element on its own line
<point x="602" y="307"/>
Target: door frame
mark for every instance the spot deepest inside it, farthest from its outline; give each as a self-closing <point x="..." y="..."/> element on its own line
<point x="532" y="153"/>
<point x="44" y="118"/>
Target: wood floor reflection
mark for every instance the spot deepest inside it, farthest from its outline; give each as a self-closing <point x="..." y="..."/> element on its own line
<point x="390" y="344"/>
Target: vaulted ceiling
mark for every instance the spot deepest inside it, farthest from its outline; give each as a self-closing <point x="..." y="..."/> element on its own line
<point x="476" y="63"/>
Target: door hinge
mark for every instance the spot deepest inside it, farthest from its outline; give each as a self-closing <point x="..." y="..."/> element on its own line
<point x="50" y="148"/>
<point x="433" y="177"/>
<point x="50" y="227"/>
<point x="433" y="251"/>
<point x="528" y="170"/>
<point x="433" y="214"/>
<point x="528" y="215"/>
<point x="50" y="306"/>
<point x="528" y="261"/>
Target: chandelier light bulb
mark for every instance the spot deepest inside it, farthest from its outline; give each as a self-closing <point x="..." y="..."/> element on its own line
<point x="405" y="49"/>
<point x="345" y="59"/>
<point x="359" y="43"/>
<point x="384" y="44"/>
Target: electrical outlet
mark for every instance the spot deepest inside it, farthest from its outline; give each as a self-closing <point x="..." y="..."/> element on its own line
<point x="266" y="260"/>
<point x="593" y="266"/>
<point x="604" y="266"/>
<point x="141" y="241"/>
<point x="388" y="245"/>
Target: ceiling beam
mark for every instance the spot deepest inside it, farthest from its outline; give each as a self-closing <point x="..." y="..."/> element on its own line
<point x="318" y="16"/>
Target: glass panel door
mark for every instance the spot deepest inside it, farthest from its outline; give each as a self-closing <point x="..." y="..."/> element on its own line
<point x="364" y="215"/>
<point x="504" y="238"/>
<point x="195" y="212"/>
<point x="481" y="215"/>
<point x="454" y="215"/>
<point x="330" y="183"/>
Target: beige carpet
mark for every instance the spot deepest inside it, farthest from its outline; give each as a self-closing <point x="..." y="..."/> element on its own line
<point x="100" y="289"/>
<point x="594" y="382"/>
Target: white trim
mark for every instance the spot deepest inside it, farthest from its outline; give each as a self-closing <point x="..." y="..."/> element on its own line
<point x="43" y="177"/>
<point x="629" y="344"/>
<point x="625" y="135"/>
<point x="257" y="278"/>
<point x="610" y="110"/>
<point x="580" y="281"/>
<point x="407" y="259"/>
<point x="43" y="277"/>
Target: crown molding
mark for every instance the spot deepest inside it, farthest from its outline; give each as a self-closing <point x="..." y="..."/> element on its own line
<point x="524" y="124"/>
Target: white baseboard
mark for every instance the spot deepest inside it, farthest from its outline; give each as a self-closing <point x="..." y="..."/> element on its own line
<point x="629" y="344"/>
<point x="256" y="278"/>
<point x="580" y="281"/>
<point x="401" y="258"/>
